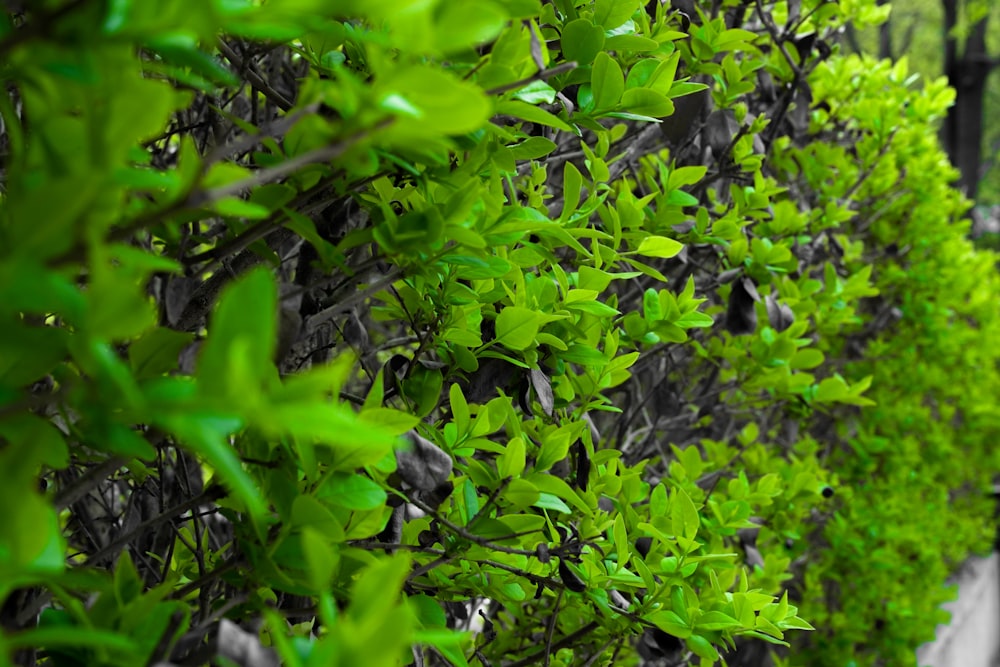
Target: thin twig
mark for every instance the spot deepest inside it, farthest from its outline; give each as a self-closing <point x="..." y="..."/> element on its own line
<point x="600" y="652"/>
<point x="565" y="641"/>
<point x="207" y="578"/>
<point x="427" y="567"/>
<point x="538" y="76"/>
<point x="551" y="629"/>
<point x="207" y="496"/>
<point x="322" y="316"/>
<point x="87" y="482"/>
<point x="286" y="168"/>
<point x="465" y="534"/>
<point x="778" y="39"/>
<point x="255" y="79"/>
<point x="247" y="141"/>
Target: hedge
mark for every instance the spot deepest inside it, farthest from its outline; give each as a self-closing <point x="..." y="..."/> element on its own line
<point x="504" y="332"/>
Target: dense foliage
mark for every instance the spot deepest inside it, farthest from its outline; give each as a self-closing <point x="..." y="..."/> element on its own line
<point x="503" y="332"/>
<point x="957" y="39"/>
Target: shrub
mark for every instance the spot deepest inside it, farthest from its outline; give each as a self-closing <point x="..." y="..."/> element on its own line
<point x="605" y="329"/>
<point x="920" y="459"/>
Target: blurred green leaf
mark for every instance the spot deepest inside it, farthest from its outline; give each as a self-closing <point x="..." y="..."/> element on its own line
<point x="352" y="491"/>
<point x="241" y="337"/>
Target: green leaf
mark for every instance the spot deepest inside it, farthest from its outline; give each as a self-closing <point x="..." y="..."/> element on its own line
<point x="662" y="79"/>
<point x="448" y="106"/>
<point x="478" y="268"/>
<point x="584" y="355"/>
<point x="613" y="13"/>
<point x="552" y="502"/>
<point x="607" y="82"/>
<point x="352" y="491"/>
<point x="306" y="228"/>
<point x="685" y="176"/>
<point x="318" y="383"/>
<point x="681" y="88"/>
<point x="68" y="636"/>
<point x="536" y="92"/>
<point x="831" y="389"/>
<point x="185" y="53"/>
<point x="31" y="535"/>
<point x="630" y="43"/>
<point x="622" y="548"/>
<point x="366" y="524"/>
<point x="511" y="463"/>
<point x="670" y="623"/>
<point x="716" y="620"/>
<point x="681" y="198"/>
<point x="241" y="337"/>
<point x="377" y="590"/>
<point x="532" y="148"/>
<point x="767" y="638"/>
<point x="118" y="312"/>
<point x="273" y="196"/>
<point x="449" y="643"/>
<point x="234" y="207"/>
<point x="307" y="511"/>
<point x="521" y="9"/>
<point x="36" y="440"/>
<point x="553" y="448"/>
<point x="460" y="26"/>
<point x="521" y="494"/>
<point x="533" y="114"/>
<point x="28" y="352"/>
<point x="805" y="359"/>
<point x="572" y="185"/>
<point x="157" y="351"/>
<point x="702" y="648"/>
<point x="593" y="308"/>
<point x="516" y="327"/>
<point x="389" y="420"/>
<point x="41" y="223"/>
<point x="320" y="558"/>
<point x="334" y="426"/>
<point x="684" y="515"/>
<point x="423" y="388"/>
<point x="733" y="37"/>
<point x="646" y="102"/>
<point x="594" y="279"/>
<point x="560" y="489"/>
<point x="428" y="610"/>
<point x="461" y="415"/>
<point x="651" y="305"/>
<point x="659" y="246"/>
<point x="694" y="319"/>
<point x="126" y="442"/>
<point x="581" y="41"/>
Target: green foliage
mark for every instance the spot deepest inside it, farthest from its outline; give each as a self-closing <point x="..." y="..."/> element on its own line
<point x="916" y="31"/>
<point x="927" y="429"/>
<point x="360" y="318"/>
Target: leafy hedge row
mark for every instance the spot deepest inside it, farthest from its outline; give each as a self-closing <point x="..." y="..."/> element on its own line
<point x="604" y="329"/>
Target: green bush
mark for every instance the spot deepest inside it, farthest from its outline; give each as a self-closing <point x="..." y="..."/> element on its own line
<point x="920" y="459"/>
<point x="605" y="329"/>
